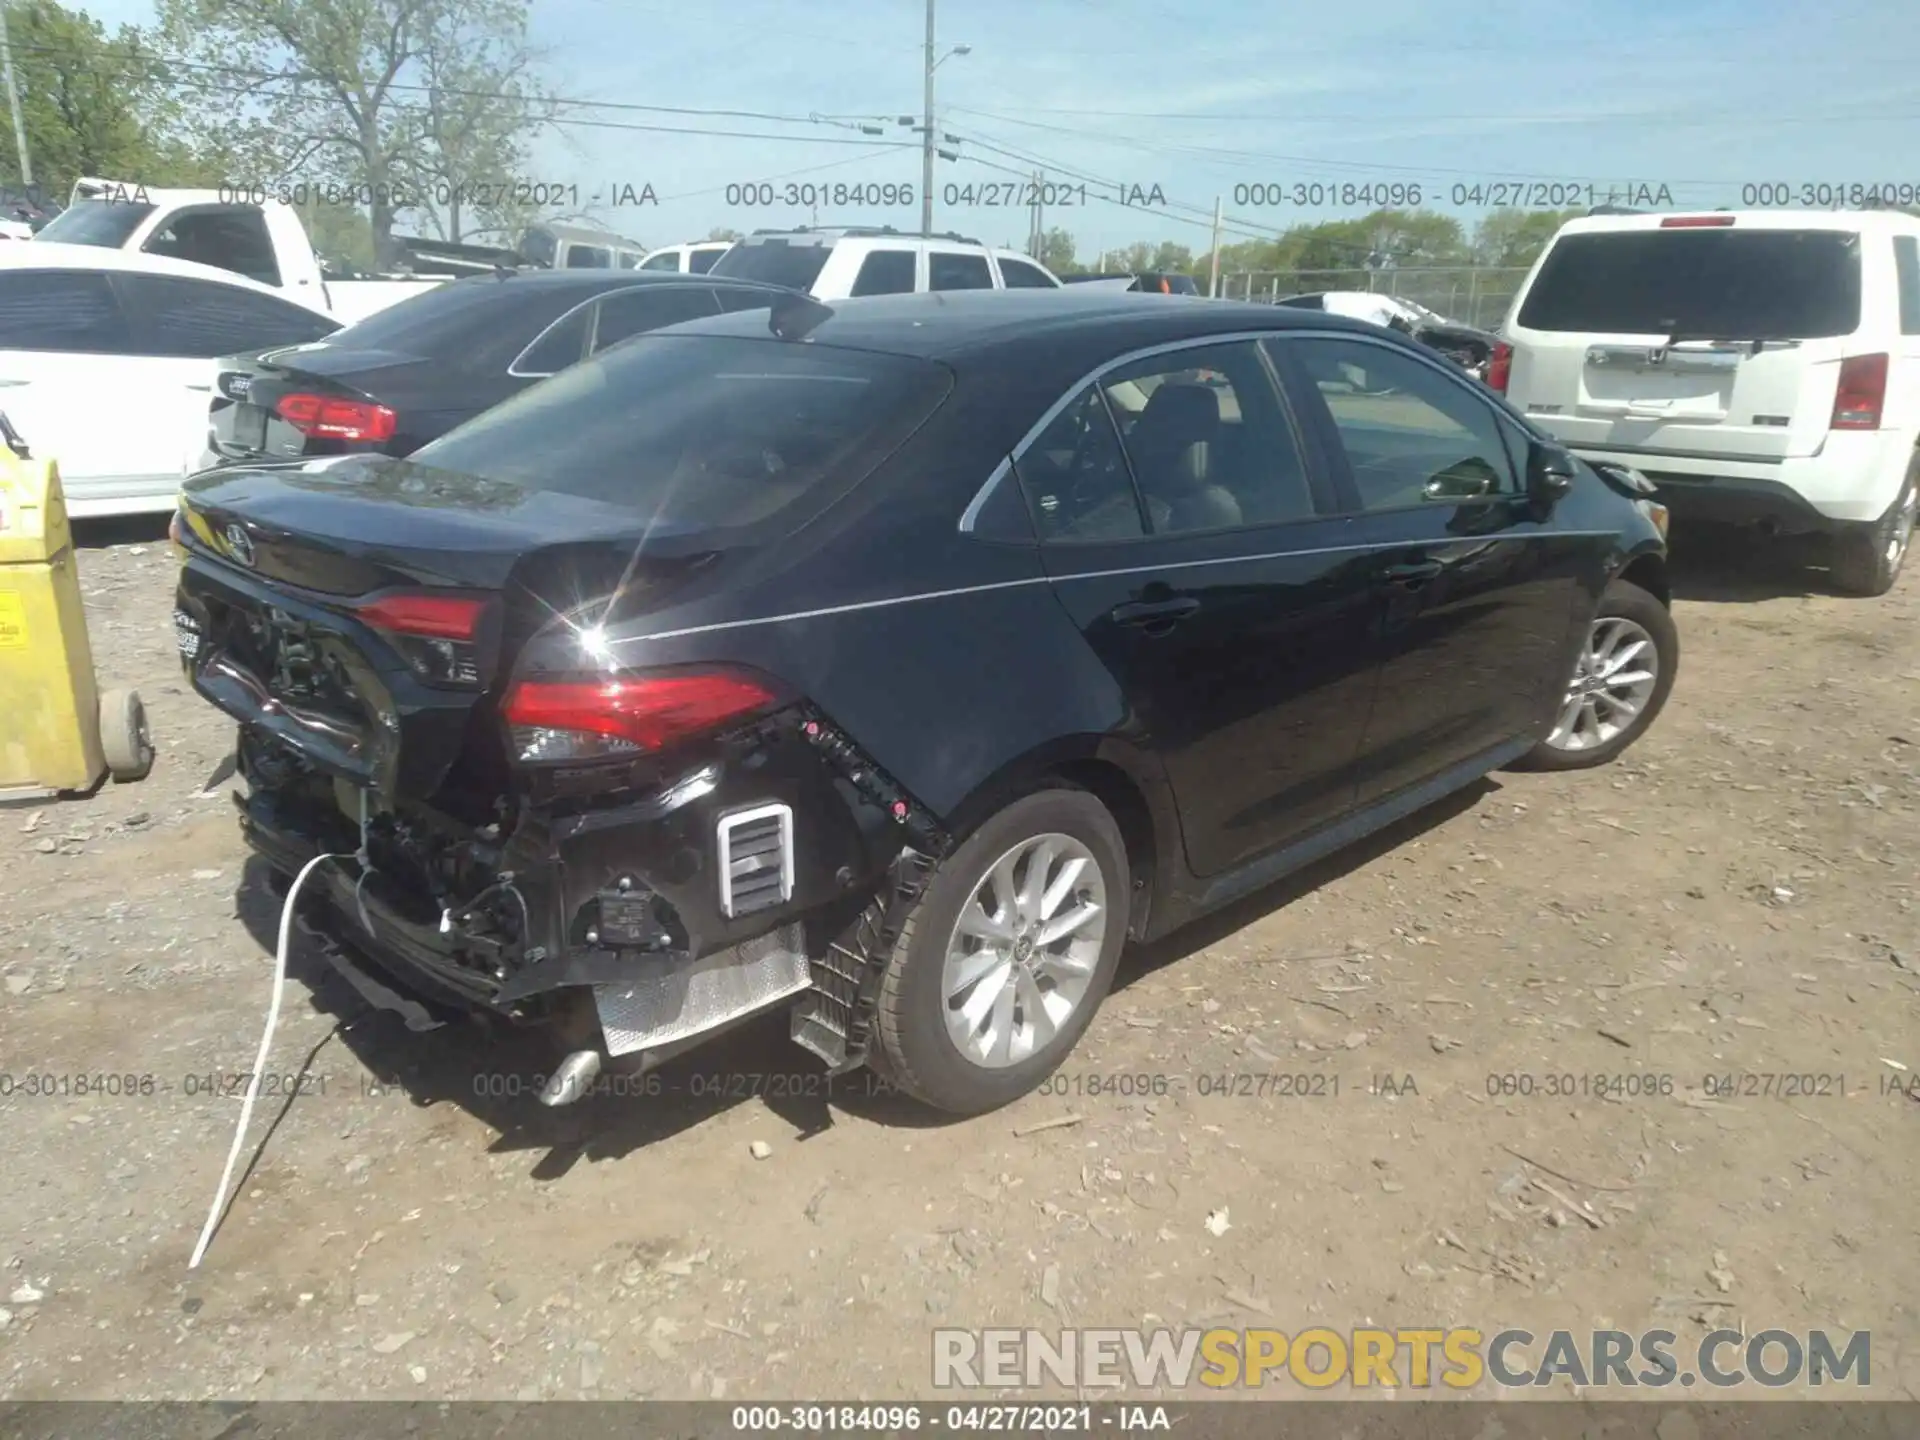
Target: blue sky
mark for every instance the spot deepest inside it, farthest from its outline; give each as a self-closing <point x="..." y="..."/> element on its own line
<point x="1702" y="96"/>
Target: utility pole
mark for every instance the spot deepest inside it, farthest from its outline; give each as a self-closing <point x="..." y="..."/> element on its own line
<point x="926" y="136"/>
<point x="1036" y="242"/>
<point x="13" y="100"/>
<point x="1213" y="278"/>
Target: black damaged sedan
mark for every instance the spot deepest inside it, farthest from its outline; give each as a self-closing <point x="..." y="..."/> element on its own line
<point x="895" y="662"/>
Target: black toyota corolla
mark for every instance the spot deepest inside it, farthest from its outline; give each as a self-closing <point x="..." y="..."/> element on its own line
<point x="896" y="661"/>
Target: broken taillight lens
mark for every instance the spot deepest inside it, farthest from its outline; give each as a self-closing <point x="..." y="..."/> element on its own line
<point x="627" y="715"/>
<point x="435" y="634"/>
<point x="327" y="418"/>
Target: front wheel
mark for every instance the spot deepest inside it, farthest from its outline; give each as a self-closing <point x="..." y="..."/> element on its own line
<point x="1619" y="683"/>
<point x="1000" y="967"/>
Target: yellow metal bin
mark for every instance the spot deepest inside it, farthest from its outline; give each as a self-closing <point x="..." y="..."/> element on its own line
<point x="57" y="731"/>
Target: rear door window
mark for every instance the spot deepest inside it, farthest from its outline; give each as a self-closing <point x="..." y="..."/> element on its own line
<point x="63" y="310"/>
<point x="204" y="319"/>
<point x="1906" y="263"/>
<point x="885" y="272"/>
<point x="698" y="434"/>
<point x="1075" y="476"/>
<point x="1209" y="440"/>
<point x="630" y="312"/>
<point x="954" y="270"/>
<point x="588" y="257"/>
<point x="701" y="261"/>
<point x="1713" y="283"/>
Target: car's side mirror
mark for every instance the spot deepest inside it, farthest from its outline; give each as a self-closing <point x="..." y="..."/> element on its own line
<point x="1550" y="472"/>
<point x="1469" y="480"/>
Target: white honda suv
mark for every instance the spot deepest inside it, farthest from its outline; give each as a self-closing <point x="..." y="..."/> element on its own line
<point x="1758" y="367"/>
<point x="844" y="263"/>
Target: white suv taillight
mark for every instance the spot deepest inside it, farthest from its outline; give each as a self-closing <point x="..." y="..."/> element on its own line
<point x="1861" y="394"/>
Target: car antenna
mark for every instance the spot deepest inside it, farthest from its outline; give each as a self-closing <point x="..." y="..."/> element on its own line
<point x="794" y="316"/>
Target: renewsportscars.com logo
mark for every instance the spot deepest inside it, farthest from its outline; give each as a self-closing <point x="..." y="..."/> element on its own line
<point x="1415" y="1359"/>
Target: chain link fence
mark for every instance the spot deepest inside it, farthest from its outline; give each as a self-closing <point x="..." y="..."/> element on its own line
<point x="1478" y="295"/>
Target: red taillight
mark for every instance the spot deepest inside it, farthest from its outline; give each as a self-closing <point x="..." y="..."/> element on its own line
<point x="647" y="712"/>
<point x="1500" y="366"/>
<point x="177" y="529"/>
<point x="1694" y="222"/>
<point x="437" y="617"/>
<point x="1861" y="393"/>
<point x="326" y="418"/>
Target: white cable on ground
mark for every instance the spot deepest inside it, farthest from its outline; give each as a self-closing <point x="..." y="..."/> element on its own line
<point x="260" y="1060"/>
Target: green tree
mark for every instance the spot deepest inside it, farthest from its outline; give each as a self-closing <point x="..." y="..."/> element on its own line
<point x="1056" y="252"/>
<point x="93" y="103"/>
<point x="331" y="92"/>
<point x="1510" y="237"/>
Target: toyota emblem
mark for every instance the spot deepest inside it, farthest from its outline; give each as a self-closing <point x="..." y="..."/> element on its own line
<point x="240" y="543"/>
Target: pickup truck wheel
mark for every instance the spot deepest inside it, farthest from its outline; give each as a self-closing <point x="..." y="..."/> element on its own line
<point x="1001" y="965"/>
<point x="1622" y="678"/>
<point x="1867" y="557"/>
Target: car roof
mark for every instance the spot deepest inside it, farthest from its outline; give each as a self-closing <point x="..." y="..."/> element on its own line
<point x="53" y="255"/>
<point x="1877" y="221"/>
<point x="957" y="324"/>
<point x="600" y="277"/>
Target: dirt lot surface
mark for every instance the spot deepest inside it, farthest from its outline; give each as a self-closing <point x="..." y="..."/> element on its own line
<point x="1736" y="898"/>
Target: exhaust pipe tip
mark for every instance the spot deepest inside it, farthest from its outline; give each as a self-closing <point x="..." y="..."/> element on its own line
<point x="571" y="1077"/>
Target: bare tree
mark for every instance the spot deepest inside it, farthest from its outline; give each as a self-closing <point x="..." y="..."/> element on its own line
<point x="484" y="105"/>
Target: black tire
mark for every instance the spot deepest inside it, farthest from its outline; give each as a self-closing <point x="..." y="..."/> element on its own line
<point x="1627" y="601"/>
<point x="1867" y="557"/>
<point x="912" y="1047"/>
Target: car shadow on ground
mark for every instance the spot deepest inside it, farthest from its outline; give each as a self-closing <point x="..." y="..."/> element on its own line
<point x="1721" y="564"/>
<point x="105" y="531"/>
<point x="492" y="1071"/>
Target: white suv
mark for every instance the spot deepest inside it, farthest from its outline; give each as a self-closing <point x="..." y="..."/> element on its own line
<point x="841" y="264"/>
<point x="1757" y="366"/>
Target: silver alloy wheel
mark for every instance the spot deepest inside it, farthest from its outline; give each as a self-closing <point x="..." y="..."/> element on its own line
<point x="1611" y="685"/>
<point x="1024" y="950"/>
<point x="1903" y="526"/>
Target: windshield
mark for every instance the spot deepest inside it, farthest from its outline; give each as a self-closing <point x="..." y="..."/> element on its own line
<point x="1714" y="284"/>
<point x="701" y="432"/>
<point x="774" y="262"/>
<point x="108" y="223"/>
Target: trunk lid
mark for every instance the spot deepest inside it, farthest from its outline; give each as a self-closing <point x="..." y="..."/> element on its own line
<point x="244" y="422"/>
<point x="1705" y="341"/>
<point x="366" y="610"/>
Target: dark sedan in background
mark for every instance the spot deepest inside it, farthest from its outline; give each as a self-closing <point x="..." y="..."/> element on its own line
<point x="410" y="373"/>
<point x="896" y="661"/>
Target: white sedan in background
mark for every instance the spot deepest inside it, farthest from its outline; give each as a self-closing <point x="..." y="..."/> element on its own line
<point x="107" y="363"/>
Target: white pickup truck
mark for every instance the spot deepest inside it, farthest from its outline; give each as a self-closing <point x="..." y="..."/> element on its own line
<point x="264" y="241"/>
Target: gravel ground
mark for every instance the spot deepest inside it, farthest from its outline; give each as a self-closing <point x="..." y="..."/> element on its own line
<point x="1735" y="898"/>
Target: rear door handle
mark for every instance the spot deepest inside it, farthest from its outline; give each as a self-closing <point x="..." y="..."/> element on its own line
<point x="1155" y="612"/>
<point x="1414" y="572"/>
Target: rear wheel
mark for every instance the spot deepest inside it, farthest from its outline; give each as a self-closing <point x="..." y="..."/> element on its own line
<point x="999" y="969"/>
<point x="1622" y="678"/>
<point x="1867" y="557"/>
